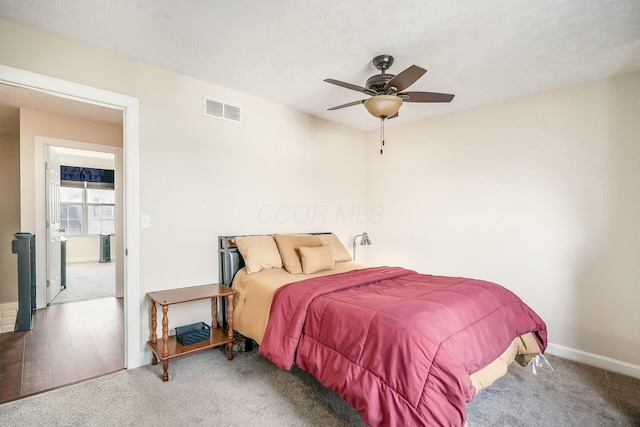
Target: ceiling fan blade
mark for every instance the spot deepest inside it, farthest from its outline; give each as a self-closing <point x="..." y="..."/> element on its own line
<point x="347" y="85"/>
<point x="350" y="104"/>
<point x="406" y="78"/>
<point x="426" y="97"/>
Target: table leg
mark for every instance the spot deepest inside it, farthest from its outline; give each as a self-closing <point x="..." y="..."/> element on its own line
<point x="154" y="322"/>
<point x="230" y="322"/>
<point x="165" y="331"/>
<point x="154" y="325"/>
<point x="165" y="370"/>
<point x="214" y="320"/>
<point x="165" y="343"/>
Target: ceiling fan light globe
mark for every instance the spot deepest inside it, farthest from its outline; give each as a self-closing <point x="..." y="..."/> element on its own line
<point x="383" y="106"/>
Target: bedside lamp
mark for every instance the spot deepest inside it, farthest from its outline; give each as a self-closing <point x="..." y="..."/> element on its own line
<point x="364" y="241"/>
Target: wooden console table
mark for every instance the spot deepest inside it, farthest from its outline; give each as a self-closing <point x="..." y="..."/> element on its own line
<point x="169" y="346"/>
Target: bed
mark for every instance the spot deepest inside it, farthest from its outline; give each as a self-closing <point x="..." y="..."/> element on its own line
<point x="402" y="348"/>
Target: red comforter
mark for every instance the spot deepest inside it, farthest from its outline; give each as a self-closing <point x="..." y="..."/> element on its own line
<point x="397" y="345"/>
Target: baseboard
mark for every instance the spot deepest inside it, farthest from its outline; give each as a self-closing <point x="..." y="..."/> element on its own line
<point x="596" y="360"/>
<point x="145" y="357"/>
<point x="82" y="259"/>
<point x="8" y="315"/>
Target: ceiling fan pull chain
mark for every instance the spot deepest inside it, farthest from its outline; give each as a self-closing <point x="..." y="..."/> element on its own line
<point x="381" y="135"/>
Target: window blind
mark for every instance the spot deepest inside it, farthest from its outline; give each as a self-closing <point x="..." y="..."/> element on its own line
<point x="81" y="174"/>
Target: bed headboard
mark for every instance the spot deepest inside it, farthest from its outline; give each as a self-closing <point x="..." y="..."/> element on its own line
<point x="229" y="257"/>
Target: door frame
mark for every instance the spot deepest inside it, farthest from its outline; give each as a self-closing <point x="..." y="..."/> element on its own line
<point x="42" y="257"/>
<point x="130" y="107"/>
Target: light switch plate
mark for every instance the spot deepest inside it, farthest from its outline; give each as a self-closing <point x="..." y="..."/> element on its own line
<point x="145" y="221"/>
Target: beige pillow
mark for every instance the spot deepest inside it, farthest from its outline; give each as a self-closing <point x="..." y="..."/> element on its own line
<point x="316" y="259"/>
<point x="259" y="252"/>
<point x="340" y="253"/>
<point x="289" y="244"/>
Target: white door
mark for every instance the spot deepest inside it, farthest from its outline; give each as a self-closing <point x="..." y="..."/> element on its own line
<point x="52" y="200"/>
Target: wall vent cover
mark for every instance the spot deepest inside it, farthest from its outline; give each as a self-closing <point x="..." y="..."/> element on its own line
<point x="220" y="110"/>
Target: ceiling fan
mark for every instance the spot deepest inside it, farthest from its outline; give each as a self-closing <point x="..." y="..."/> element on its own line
<point x="387" y="91"/>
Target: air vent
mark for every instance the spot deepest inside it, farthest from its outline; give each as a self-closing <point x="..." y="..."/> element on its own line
<point x="232" y="113"/>
<point x="221" y="110"/>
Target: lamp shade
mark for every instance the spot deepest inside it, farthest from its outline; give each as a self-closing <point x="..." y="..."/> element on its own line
<point x="365" y="239"/>
<point x="383" y="105"/>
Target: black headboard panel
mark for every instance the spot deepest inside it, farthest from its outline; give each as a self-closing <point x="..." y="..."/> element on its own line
<point x="230" y="260"/>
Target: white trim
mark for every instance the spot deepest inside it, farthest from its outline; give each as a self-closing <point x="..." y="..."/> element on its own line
<point x="596" y="360"/>
<point x="41" y="142"/>
<point x="8" y="316"/>
<point x="134" y="348"/>
<point x="83" y="259"/>
<point x="6" y="306"/>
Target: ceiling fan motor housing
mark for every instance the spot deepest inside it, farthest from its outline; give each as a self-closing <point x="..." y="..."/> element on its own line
<point x="378" y="82"/>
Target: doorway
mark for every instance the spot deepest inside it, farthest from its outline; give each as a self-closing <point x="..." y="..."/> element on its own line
<point x="89" y="222"/>
<point x="70" y="320"/>
<point x="131" y="234"/>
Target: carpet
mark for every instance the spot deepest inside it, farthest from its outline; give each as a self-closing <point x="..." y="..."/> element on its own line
<point x="205" y="389"/>
<point x="88" y="280"/>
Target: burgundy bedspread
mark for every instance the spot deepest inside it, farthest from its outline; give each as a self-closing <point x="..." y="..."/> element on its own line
<point x="397" y="345"/>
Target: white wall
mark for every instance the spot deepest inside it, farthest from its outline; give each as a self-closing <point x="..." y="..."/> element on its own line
<point x="539" y="194"/>
<point x="201" y="177"/>
<point x="86" y="159"/>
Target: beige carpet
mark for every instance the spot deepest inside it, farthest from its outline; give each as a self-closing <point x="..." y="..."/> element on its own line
<point x="207" y="390"/>
<point x="88" y="280"/>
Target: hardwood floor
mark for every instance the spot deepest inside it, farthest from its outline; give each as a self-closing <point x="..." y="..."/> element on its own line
<point x="69" y="342"/>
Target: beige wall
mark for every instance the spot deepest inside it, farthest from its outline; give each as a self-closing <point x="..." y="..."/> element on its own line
<point x="9" y="214"/>
<point x="202" y="177"/>
<point x="87" y="249"/>
<point x="539" y="194"/>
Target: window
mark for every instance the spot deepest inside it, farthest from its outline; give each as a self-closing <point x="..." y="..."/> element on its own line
<point x="102" y="213"/>
<point x="71" y="210"/>
<point x="86" y="210"/>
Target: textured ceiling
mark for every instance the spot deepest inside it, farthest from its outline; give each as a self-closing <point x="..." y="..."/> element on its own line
<point x="281" y="50"/>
